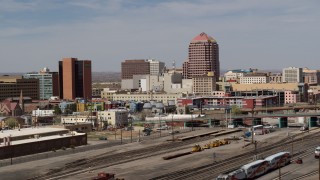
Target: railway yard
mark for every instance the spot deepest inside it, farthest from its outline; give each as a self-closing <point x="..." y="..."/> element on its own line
<point x="145" y="159"/>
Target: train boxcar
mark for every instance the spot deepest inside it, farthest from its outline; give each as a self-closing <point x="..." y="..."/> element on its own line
<point x="256" y="168"/>
<point x="278" y="160"/>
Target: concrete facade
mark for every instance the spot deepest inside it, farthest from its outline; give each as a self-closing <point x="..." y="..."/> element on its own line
<point x="254" y="79"/>
<point x="115" y="117"/>
<point x="291" y="97"/>
<point x="292" y="75"/>
<point x="311" y="77"/>
<point x="160" y="97"/>
<point x="78" y="119"/>
<point x="156" y="67"/>
<point x="204" y="85"/>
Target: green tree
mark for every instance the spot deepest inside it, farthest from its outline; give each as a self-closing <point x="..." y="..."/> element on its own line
<point x="70" y="108"/>
<point x="11" y="123"/>
<point x="187" y="110"/>
<point x="57" y="110"/>
<point x="235" y="110"/>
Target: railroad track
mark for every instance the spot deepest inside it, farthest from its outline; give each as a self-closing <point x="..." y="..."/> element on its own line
<point x="310" y="174"/>
<point x="106" y="159"/>
<point x="210" y="171"/>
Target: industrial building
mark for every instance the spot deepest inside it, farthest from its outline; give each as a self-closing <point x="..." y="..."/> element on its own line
<point x="26" y="141"/>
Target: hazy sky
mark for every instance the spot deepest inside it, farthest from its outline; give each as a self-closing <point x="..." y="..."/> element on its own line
<point x="263" y="34"/>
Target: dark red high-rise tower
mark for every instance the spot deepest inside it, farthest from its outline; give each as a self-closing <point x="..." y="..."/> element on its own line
<point x="203" y="57"/>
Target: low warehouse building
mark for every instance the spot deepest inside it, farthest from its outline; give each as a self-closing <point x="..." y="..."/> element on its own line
<point x="28" y="141"/>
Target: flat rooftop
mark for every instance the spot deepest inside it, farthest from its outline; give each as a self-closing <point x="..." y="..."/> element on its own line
<point x="29" y="131"/>
<point x="24" y="141"/>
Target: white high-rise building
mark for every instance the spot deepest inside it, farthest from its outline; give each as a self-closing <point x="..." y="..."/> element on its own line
<point x="156" y="67"/>
<point x="46" y="82"/>
<point x="292" y="75"/>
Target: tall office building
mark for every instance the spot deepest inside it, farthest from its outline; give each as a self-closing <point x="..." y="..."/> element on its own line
<point x="134" y="67"/>
<point x="75" y="79"/>
<point x="48" y="82"/>
<point x="203" y="57"/>
<point x="292" y="75"/>
<point x="156" y="67"/>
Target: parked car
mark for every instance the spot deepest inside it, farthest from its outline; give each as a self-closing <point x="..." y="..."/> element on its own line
<point x="162" y="128"/>
<point x="174" y="132"/>
<point x="304" y="128"/>
<point x="317" y="152"/>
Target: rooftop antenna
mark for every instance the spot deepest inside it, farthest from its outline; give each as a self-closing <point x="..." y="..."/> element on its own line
<point x="174" y="65"/>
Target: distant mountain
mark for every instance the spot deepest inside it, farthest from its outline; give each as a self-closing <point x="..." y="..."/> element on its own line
<point x="11" y="74"/>
<point x="96" y="76"/>
<point x="106" y="76"/>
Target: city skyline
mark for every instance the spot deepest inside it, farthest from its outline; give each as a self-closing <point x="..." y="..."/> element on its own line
<point x="263" y="35"/>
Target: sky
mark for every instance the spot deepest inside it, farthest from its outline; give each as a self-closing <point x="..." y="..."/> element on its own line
<point x="262" y="34"/>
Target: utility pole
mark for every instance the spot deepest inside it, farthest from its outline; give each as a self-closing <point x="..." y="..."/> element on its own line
<point x="139" y="135"/>
<point x="121" y="135"/>
<point x="159" y="124"/>
<point x="255" y="147"/>
<point x="252" y="133"/>
<point x="279" y="172"/>
<point x="131" y="129"/>
<point x="319" y="168"/>
<point x="291" y="145"/>
<point x="191" y="120"/>
<point x="172" y="132"/>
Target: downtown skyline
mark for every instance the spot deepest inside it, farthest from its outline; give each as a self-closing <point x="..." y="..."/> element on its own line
<point x="263" y="35"/>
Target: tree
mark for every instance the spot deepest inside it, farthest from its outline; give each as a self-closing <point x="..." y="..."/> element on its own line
<point x="235" y="110"/>
<point x="187" y="110"/>
<point x="57" y="110"/>
<point x="70" y="108"/>
<point x="11" y="122"/>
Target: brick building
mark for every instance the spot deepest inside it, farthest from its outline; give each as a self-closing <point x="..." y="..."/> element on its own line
<point x="75" y="78"/>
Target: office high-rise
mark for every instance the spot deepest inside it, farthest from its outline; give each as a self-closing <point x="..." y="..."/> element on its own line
<point x="75" y="79"/>
<point x="48" y="82"/>
<point x="134" y="67"/>
<point x="292" y="75"/>
<point x="203" y="57"/>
